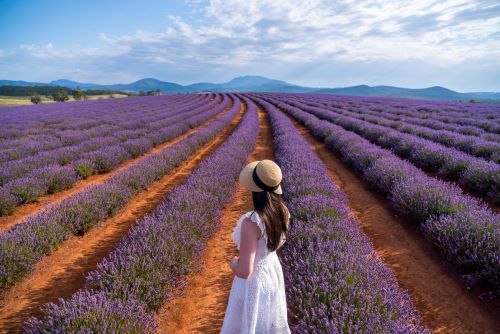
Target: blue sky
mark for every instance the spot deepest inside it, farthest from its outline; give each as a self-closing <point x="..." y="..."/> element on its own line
<point x="320" y="43"/>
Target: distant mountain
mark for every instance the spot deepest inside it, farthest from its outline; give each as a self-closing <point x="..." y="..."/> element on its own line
<point x="262" y="84"/>
<point x="71" y="84"/>
<point x="20" y="83"/>
<point x="249" y="80"/>
<point x="145" y="85"/>
<point x="432" y="93"/>
<point x="248" y="83"/>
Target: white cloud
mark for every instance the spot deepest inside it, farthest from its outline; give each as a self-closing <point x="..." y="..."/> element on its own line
<point x="236" y="32"/>
<point x="290" y="31"/>
<point x="249" y="34"/>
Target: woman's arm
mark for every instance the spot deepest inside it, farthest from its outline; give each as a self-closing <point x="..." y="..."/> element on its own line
<point x="242" y="266"/>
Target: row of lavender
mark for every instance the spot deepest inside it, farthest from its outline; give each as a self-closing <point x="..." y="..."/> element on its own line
<point x="486" y="148"/>
<point x="423" y="116"/>
<point x="75" y="125"/>
<point x="122" y="132"/>
<point x="26" y="243"/>
<point x="141" y="273"/>
<point x="476" y="175"/>
<point x="335" y="281"/>
<point x="475" y="116"/>
<point x="54" y="178"/>
<point x="22" y="124"/>
<point x="463" y="228"/>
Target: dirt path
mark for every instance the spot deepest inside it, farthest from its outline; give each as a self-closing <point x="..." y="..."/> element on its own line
<point x="24" y="211"/>
<point x="202" y="308"/>
<point x="444" y="306"/>
<point x="62" y="273"/>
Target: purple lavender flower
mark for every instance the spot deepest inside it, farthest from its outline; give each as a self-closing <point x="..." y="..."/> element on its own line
<point x="423" y="198"/>
<point x="335" y="282"/>
<point x="153" y="259"/>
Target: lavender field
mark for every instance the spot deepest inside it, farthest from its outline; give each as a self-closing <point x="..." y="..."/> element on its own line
<point x="126" y="195"/>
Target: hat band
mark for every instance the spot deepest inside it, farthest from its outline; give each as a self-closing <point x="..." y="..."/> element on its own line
<point x="261" y="184"/>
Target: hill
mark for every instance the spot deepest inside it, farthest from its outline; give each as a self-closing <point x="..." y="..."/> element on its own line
<point x="262" y="84"/>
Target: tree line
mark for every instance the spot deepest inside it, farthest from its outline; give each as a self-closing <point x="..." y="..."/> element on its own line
<point x="57" y="93"/>
<point x="153" y="92"/>
<point x="49" y="90"/>
<point x="62" y="94"/>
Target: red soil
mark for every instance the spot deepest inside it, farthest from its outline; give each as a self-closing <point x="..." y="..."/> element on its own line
<point x="62" y="273"/>
<point x="444" y="305"/>
<point x="24" y="211"/>
<point x="202" y="308"/>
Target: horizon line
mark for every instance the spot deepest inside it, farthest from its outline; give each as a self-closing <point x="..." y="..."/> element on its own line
<point x="247" y="75"/>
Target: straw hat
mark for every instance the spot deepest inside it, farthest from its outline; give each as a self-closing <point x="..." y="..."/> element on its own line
<point x="262" y="175"/>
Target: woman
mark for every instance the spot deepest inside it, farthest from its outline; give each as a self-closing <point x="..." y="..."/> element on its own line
<point x="257" y="302"/>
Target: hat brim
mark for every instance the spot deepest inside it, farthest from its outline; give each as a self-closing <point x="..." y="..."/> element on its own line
<point x="247" y="182"/>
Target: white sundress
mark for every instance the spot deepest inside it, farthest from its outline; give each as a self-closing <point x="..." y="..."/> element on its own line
<point x="257" y="304"/>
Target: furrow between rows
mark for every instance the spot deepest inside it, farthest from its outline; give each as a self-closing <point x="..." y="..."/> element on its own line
<point x="202" y="306"/>
<point x="445" y="307"/>
<point x="150" y="263"/>
<point x="177" y="132"/>
<point x="25" y="244"/>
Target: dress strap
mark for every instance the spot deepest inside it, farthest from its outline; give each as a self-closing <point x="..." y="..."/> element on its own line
<point x="254" y="216"/>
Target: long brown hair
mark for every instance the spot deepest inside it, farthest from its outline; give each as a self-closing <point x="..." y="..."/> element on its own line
<point x="274" y="214"/>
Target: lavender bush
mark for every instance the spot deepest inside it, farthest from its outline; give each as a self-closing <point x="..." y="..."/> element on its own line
<point x="26" y="243"/>
<point x="95" y="155"/>
<point x="87" y="312"/>
<point x="31" y="129"/>
<point x="474" y="247"/>
<point x="8" y="202"/>
<point x="484" y="147"/>
<point x="476" y="175"/>
<point x="153" y="258"/>
<point x="467" y="118"/>
<point x="335" y="281"/>
<point x="102" y="135"/>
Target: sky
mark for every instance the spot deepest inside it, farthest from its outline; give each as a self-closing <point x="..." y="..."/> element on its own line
<point x="317" y="43"/>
